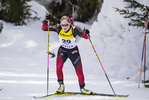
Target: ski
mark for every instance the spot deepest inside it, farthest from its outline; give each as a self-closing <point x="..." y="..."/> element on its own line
<point x="78" y="93"/>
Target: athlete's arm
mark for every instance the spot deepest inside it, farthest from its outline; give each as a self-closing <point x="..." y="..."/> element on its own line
<point x="82" y="33"/>
<point x="45" y="27"/>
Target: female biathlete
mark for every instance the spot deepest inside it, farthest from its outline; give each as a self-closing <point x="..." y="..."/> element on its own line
<point x="68" y="49"/>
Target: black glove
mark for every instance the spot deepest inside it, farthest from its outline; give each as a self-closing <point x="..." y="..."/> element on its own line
<point x="86" y="31"/>
<point x="146" y="15"/>
<point x="48" y="16"/>
<point x="148" y="26"/>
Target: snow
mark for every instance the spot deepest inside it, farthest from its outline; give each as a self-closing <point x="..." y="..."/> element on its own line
<point x="23" y="58"/>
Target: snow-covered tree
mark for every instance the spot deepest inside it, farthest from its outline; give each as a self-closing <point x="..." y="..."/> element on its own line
<point x="15" y="11"/>
<point x="134" y="11"/>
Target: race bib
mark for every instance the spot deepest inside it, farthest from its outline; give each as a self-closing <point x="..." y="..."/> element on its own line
<point x="68" y="43"/>
<point x="67" y="40"/>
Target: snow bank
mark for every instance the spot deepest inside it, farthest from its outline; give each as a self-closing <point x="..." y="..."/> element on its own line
<point x="119" y="45"/>
<point x="41" y="11"/>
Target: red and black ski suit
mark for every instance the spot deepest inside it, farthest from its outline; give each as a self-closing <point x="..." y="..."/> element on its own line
<point x="68" y="49"/>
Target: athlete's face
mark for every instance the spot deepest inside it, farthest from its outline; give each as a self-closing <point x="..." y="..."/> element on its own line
<point x="65" y="25"/>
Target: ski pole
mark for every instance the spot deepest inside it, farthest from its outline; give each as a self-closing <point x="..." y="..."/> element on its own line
<point x="101" y="65"/>
<point x="73" y="8"/>
<point x="143" y="51"/>
<point x="48" y="60"/>
<point x="146" y="13"/>
<point x="142" y="59"/>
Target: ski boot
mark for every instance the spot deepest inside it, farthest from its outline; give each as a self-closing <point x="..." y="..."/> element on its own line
<point x="61" y="88"/>
<point x="85" y="91"/>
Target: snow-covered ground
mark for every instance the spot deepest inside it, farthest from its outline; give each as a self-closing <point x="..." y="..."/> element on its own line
<point x="23" y="58"/>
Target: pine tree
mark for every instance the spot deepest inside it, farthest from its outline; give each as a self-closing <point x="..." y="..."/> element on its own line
<point x="136" y="17"/>
<point x="57" y="10"/>
<point x="15" y="11"/>
<point x="87" y="9"/>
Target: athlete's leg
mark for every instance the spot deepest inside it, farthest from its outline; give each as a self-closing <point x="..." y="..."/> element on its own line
<point x="61" y="58"/>
<point x="76" y="60"/>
